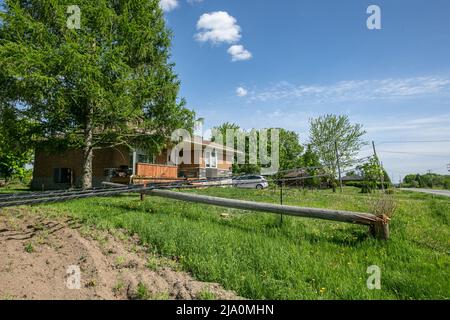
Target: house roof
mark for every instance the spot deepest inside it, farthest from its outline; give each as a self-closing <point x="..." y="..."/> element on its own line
<point x="207" y="143"/>
<point x="295" y="173"/>
<point x="352" y="178"/>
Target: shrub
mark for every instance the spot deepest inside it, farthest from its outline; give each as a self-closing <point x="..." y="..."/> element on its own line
<point x="383" y="206"/>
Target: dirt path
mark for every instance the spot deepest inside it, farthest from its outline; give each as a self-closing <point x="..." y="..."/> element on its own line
<point x="40" y="259"/>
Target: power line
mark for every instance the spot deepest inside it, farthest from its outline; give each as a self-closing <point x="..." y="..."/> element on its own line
<point x="415" y="154"/>
<point x="414" y="141"/>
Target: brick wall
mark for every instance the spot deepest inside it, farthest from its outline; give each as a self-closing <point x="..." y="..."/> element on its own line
<point x="45" y="162"/>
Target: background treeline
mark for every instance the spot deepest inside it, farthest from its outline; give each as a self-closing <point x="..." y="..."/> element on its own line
<point x="314" y="163"/>
<point x="429" y="180"/>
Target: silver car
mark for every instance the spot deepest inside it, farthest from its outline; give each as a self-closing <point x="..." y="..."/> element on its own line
<point x="251" y="182"/>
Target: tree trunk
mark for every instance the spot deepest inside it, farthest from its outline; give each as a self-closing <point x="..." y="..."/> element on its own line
<point x="88" y="154"/>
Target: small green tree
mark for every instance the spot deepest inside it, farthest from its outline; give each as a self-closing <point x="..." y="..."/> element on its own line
<point x="371" y="173"/>
<point x="330" y="130"/>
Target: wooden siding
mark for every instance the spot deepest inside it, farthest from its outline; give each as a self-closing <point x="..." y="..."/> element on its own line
<point x="156" y="171"/>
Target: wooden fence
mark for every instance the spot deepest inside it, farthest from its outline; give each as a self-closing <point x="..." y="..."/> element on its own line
<point x="156" y="171"/>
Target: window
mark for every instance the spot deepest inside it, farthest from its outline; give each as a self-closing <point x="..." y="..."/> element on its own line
<point x="208" y="159"/>
<point x="141" y="158"/>
<point x="211" y="159"/>
<point x="214" y="159"/>
<point x="62" y="175"/>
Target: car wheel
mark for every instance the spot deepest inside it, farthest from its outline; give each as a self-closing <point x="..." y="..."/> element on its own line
<point x="259" y="187"/>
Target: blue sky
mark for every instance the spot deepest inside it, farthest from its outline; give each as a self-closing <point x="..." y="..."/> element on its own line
<point x="297" y="59"/>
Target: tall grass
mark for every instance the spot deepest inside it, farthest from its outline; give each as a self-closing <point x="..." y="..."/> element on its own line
<point x="261" y="258"/>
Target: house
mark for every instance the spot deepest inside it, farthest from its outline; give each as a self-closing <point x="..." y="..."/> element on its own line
<point x="133" y="166"/>
<point x="294" y="178"/>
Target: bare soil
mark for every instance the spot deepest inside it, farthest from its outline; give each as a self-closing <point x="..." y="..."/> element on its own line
<point x="35" y="254"/>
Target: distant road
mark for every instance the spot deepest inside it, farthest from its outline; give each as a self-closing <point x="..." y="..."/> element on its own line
<point x="445" y="193"/>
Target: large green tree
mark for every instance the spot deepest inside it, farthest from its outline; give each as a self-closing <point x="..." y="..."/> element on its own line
<point x="107" y="83"/>
<point x="327" y="132"/>
<point x="221" y="132"/>
<point x="290" y="149"/>
<point x="310" y="161"/>
<point x="15" y="137"/>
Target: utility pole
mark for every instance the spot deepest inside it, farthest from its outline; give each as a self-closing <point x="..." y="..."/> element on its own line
<point x="338" y="164"/>
<point x="281" y="199"/>
<point x="431" y="177"/>
<point x="379" y="164"/>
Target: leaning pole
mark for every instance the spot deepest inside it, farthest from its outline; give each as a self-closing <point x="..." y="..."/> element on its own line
<point x="379" y="226"/>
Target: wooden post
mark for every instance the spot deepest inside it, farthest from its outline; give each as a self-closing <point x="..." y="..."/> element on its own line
<point x="143" y="193"/>
<point x="338" y="164"/>
<point x="281" y="193"/>
<point x="281" y="199"/>
<point x="380" y="229"/>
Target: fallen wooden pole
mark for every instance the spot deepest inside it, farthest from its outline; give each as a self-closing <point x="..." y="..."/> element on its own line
<point x="379" y="227"/>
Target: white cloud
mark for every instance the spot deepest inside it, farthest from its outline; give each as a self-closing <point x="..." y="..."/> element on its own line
<point x="241" y="92"/>
<point x="168" y="5"/>
<point x="239" y="53"/>
<point x="356" y="90"/>
<point x="426" y="126"/>
<point x="218" y="27"/>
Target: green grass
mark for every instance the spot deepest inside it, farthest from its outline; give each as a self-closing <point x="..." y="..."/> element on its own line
<point x="259" y="258"/>
<point x="29" y="247"/>
<point x="142" y="292"/>
<point x="206" y="295"/>
<point x="14" y="187"/>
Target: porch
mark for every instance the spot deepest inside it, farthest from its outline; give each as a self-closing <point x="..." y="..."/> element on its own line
<point x="144" y="173"/>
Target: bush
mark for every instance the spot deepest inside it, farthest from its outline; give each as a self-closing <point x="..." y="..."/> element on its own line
<point x="447" y="184"/>
<point x="357" y="184"/>
<point x="415" y="184"/>
<point x="365" y="188"/>
<point x="384" y="206"/>
<point x="429" y="180"/>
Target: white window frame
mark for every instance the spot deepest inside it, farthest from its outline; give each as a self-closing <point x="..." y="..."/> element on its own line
<point x="211" y="161"/>
<point x="214" y="159"/>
